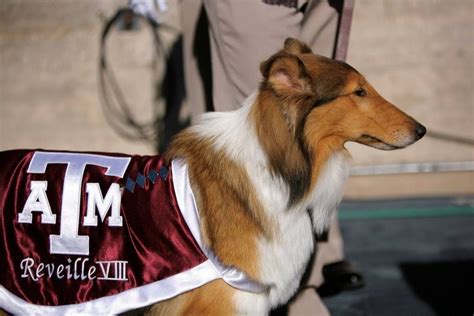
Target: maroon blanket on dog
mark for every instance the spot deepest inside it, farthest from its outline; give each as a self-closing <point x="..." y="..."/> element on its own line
<point x="77" y="227"/>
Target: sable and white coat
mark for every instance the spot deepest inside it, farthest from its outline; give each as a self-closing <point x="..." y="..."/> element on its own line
<point x="268" y="176"/>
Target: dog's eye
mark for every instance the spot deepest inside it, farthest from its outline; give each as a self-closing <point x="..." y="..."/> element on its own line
<point x="360" y="92"/>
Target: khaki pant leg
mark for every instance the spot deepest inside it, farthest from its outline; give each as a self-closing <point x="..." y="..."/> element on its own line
<point x="195" y="95"/>
<point x="307" y="302"/>
<point x="319" y="27"/>
<point x="243" y="33"/>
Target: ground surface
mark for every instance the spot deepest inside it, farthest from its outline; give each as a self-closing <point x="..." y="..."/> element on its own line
<point x="417" y="257"/>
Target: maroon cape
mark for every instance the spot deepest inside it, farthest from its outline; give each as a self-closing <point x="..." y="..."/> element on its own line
<point x="52" y="253"/>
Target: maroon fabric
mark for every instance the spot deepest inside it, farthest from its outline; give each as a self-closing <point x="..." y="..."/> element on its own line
<point x="154" y="239"/>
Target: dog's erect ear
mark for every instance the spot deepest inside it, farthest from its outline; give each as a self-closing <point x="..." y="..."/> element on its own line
<point x="295" y="47"/>
<point x="286" y="74"/>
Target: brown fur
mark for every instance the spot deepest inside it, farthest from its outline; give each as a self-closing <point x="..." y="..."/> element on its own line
<point x="225" y="195"/>
<point x="278" y="138"/>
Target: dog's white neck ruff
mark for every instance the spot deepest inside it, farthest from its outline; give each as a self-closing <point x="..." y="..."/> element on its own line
<point x="328" y="192"/>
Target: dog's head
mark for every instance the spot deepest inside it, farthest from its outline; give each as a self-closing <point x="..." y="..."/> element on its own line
<point x="310" y="106"/>
<point x="330" y="99"/>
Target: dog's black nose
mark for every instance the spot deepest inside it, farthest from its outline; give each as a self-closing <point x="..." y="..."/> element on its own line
<point x="420" y="130"/>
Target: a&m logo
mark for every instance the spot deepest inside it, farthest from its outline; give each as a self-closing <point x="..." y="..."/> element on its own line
<point x="69" y="242"/>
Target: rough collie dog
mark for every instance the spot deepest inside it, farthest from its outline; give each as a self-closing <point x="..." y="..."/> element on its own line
<point x="222" y="224"/>
<point x="270" y="175"/>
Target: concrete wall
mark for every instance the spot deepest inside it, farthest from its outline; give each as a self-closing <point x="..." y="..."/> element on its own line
<point x="418" y="54"/>
<point x="49" y="83"/>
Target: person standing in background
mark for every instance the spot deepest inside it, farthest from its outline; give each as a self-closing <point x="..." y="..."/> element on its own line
<point x="224" y="43"/>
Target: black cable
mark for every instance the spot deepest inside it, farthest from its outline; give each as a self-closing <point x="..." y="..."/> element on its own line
<point x="450" y="138"/>
<point x="117" y="111"/>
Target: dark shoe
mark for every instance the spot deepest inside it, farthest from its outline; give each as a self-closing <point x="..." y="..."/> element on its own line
<point x="340" y="276"/>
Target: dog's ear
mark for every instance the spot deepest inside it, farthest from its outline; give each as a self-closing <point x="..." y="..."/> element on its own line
<point x="295" y="47"/>
<point x="286" y="74"/>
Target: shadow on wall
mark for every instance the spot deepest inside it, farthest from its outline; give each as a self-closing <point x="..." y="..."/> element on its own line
<point x="447" y="287"/>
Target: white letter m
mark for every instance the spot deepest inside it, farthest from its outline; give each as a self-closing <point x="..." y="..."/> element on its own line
<point x="96" y="200"/>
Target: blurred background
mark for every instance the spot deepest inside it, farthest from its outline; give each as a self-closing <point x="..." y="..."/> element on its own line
<point x="419" y="54"/>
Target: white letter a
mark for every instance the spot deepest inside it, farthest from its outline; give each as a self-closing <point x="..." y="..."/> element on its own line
<point x="37" y="202"/>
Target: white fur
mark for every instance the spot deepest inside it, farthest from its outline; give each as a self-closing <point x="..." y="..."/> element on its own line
<point x="233" y="133"/>
<point x="284" y="257"/>
<point x="329" y="190"/>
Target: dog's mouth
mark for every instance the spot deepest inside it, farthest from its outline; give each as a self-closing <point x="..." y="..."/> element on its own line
<point x="377" y="143"/>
